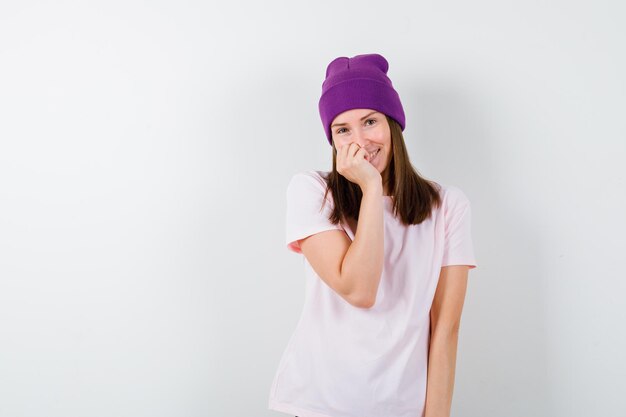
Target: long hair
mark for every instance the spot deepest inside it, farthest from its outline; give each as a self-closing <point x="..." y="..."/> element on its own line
<point x="414" y="197"/>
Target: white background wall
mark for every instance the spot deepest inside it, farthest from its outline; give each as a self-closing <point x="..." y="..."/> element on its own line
<point x="145" y="148"/>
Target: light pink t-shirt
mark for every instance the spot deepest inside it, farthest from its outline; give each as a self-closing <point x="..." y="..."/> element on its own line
<point x="345" y="361"/>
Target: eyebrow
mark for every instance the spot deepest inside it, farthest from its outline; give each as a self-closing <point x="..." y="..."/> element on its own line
<point x="362" y="118"/>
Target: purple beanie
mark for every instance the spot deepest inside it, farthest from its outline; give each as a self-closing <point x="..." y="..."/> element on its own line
<point x="360" y="82"/>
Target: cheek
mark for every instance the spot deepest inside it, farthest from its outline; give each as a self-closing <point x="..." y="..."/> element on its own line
<point x="383" y="138"/>
<point x="388" y="155"/>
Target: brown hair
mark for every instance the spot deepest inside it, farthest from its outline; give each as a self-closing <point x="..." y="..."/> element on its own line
<point x="413" y="196"/>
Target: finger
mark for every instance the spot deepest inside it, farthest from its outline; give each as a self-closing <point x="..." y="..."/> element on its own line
<point x="361" y="153"/>
<point x="354" y="150"/>
<point x="342" y="151"/>
<point x="348" y="150"/>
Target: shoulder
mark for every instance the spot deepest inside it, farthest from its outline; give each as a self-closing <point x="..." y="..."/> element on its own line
<point x="453" y="196"/>
<point x="308" y="177"/>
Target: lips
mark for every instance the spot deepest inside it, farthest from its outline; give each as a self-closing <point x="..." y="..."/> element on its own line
<point x="373" y="155"/>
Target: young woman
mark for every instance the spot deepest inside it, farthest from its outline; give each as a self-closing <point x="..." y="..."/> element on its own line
<point x="386" y="259"/>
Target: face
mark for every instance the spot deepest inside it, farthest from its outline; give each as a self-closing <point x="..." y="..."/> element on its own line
<point x="369" y="129"/>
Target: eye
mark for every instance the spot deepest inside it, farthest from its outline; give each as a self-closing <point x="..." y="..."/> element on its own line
<point x="373" y="120"/>
<point x="339" y="130"/>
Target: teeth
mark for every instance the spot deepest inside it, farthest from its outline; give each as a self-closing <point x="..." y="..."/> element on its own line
<point x="373" y="154"/>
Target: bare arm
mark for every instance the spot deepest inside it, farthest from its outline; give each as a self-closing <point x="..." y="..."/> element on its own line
<point x="363" y="264"/>
<point x="352" y="269"/>
<point x="445" y="319"/>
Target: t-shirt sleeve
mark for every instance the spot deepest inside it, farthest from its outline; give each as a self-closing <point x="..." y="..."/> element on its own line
<point x="305" y="215"/>
<point x="458" y="245"/>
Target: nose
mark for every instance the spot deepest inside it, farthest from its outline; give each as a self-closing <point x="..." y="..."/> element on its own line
<point x="360" y="138"/>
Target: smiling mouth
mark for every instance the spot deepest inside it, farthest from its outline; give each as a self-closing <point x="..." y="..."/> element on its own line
<point x="374" y="154"/>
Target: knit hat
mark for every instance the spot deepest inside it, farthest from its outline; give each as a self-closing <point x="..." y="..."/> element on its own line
<point x="360" y="82"/>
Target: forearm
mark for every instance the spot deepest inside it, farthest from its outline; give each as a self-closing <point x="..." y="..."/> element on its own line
<point x="441" y="370"/>
<point x="362" y="266"/>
